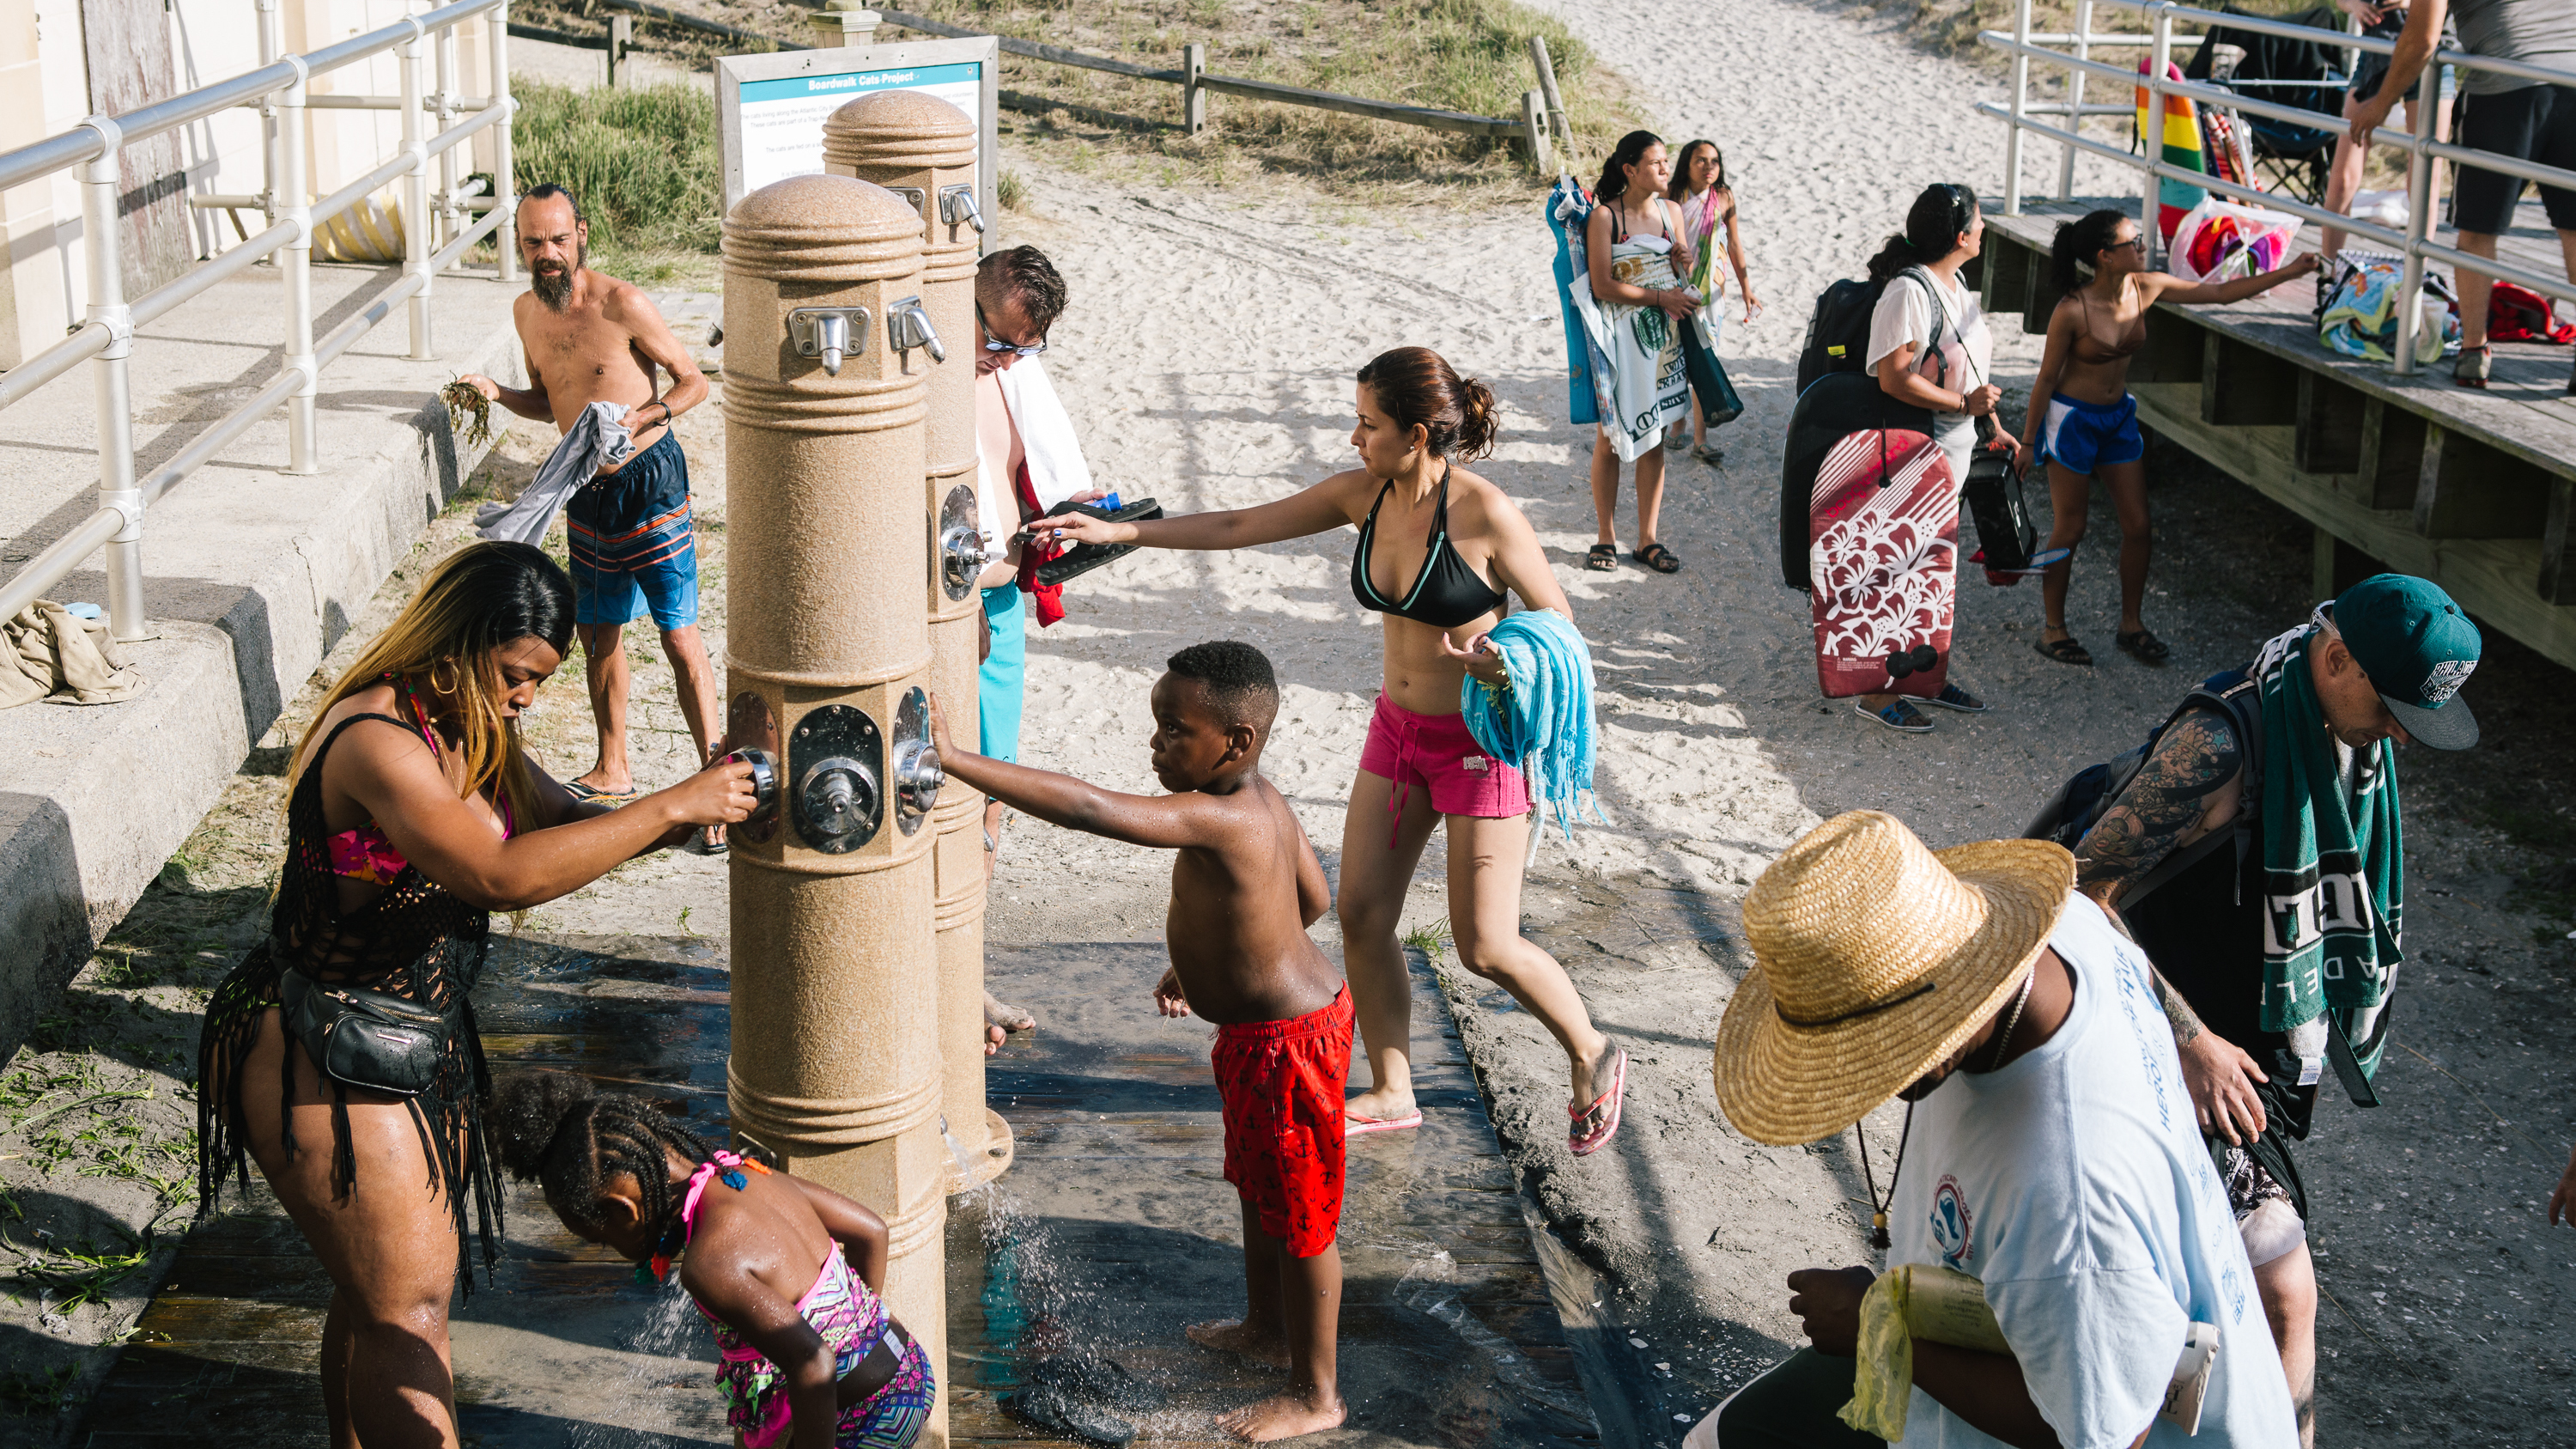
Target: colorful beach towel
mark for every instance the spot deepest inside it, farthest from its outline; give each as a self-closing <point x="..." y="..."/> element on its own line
<point x="2179" y="143"/>
<point x="1640" y="371"/>
<point x="2360" y="319"/>
<point x="1542" y="726"/>
<point x="1568" y="207"/>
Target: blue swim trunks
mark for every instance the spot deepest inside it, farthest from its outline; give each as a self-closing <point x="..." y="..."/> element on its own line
<point x="2082" y="437"/>
<point x="1006" y="670"/>
<point x="634" y="547"/>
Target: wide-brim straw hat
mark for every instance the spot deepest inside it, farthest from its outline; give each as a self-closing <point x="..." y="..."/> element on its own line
<point x="1874" y="958"/>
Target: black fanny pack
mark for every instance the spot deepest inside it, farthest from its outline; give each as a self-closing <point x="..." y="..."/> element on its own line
<point x="369" y="1039"/>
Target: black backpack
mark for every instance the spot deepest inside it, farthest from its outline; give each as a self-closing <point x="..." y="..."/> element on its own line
<point x="2087" y="796"/>
<point x="1838" y="331"/>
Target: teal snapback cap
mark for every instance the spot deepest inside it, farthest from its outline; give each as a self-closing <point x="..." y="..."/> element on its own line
<point x="2418" y="647"/>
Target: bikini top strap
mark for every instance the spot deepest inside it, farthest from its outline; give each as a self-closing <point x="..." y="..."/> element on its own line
<point x="1440" y="510"/>
<point x="720" y="1163"/>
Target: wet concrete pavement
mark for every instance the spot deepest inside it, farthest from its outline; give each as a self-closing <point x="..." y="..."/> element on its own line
<point x="1113" y="1230"/>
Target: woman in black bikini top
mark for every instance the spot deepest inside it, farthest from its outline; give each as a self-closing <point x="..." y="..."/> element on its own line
<point x="1446" y="593"/>
<point x="1417" y="421"/>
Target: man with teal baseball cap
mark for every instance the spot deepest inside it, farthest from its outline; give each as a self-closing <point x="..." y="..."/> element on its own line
<point x="2417" y="648"/>
<point x="2276" y="958"/>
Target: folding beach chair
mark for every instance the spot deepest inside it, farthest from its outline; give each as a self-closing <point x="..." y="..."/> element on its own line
<point x="2288" y="157"/>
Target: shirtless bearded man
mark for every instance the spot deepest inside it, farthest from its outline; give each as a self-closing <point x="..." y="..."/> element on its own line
<point x="592" y="338"/>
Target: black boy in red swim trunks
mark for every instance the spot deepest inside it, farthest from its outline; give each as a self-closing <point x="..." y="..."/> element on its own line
<point x="1245" y="887"/>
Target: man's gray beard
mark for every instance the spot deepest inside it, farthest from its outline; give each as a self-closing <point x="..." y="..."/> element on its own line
<point x="556" y="290"/>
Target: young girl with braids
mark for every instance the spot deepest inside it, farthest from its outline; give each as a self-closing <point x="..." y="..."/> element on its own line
<point x="810" y="1357"/>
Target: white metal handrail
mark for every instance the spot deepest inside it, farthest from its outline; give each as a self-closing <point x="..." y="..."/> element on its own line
<point x="2414" y="244"/>
<point x="435" y="237"/>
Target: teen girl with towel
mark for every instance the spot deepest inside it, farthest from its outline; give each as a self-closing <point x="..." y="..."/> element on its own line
<point x="1438" y="548"/>
<point x="1707" y="204"/>
<point x="1636" y="255"/>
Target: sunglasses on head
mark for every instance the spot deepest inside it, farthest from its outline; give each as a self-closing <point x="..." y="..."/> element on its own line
<point x="990" y="345"/>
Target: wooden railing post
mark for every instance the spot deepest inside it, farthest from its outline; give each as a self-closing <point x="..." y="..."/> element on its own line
<point x="621" y="36"/>
<point x="1534" y="121"/>
<point x="1193" y="96"/>
<point x="1555" y="103"/>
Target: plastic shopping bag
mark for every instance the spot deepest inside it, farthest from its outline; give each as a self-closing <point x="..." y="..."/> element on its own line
<point x="2221" y="241"/>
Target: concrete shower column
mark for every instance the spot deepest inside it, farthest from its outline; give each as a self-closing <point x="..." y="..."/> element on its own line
<point x="835" y="1060"/>
<point x="923" y="149"/>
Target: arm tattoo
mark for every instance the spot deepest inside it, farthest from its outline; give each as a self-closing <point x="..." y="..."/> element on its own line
<point x="2185" y="1022"/>
<point x="2163" y="808"/>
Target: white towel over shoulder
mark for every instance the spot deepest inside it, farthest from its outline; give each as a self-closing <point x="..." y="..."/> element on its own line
<point x="1056" y="467"/>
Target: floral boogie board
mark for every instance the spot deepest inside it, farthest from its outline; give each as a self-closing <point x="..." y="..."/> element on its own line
<point x="1882" y="564"/>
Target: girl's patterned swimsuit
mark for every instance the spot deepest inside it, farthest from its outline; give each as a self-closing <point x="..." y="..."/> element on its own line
<point x="849" y="1317"/>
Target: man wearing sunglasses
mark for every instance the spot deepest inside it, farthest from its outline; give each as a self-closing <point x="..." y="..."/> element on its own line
<point x="1030" y="465"/>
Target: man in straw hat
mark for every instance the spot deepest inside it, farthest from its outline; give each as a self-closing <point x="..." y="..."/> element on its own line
<point x="2257" y="858"/>
<point x="2049" y="1150"/>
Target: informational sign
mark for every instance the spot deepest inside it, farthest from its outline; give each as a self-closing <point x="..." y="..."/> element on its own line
<point x="771" y="108"/>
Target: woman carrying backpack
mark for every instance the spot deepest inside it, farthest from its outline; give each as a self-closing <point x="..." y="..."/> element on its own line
<point x="1707" y="203"/>
<point x="2087" y="427"/>
<point x="1929" y="347"/>
<point x="1636" y="254"/>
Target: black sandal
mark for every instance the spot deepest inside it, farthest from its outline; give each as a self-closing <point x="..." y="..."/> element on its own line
<point x="2144" y="646"/>
<point x="1604" y="558"/>
<point x="1659" y="558"/>
<point x="2064" y="651"/>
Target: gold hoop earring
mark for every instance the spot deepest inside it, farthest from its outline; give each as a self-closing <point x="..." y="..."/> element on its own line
<point x="451" y="686"/>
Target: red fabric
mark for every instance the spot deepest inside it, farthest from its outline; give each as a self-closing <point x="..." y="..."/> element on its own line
<point x="1282" y="1083"/>
<point x="2519" y="314"/>
<point x="1049" y="597"/>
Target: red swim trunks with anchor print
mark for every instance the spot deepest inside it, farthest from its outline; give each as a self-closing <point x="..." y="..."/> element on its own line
<point x="1281" y="1083"/>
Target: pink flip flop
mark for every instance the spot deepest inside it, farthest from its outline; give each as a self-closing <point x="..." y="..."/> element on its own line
<point x="1354" y="1126"/>
<point x="1584" y="1144"/>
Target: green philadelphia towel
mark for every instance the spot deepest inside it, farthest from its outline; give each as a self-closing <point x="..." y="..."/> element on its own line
<point x="2333" y="865"/>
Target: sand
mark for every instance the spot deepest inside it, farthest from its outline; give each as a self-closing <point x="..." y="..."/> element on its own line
<point x="1207" y="357"/>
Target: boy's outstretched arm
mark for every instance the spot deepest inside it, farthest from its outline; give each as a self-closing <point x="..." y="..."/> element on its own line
<point x="1169" y="822"/>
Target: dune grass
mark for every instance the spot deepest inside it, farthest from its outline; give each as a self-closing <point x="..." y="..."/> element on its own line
<point x="1460" y="55"/>
<point x="642" y="163"/>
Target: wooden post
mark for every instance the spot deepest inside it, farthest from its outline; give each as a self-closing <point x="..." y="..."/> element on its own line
<point x="621" y="35"/>
<point x="1534" y="123"/>
<point x="1555" y="103"/>
<point x="1193" y="98"/>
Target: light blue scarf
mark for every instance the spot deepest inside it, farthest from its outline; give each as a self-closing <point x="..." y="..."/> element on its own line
<point x="1541" y="725"/>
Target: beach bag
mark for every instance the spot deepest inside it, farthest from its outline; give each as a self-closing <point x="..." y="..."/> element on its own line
<point x="1838" y="406"/>
<point x="2220" y="241"/>
<point x="1838" y="330"/>
<point x="2360" y="318"/>
<point x="1719" y="403"/>
<point x="2519" y="314"/>
<point x="2006" y="538"/>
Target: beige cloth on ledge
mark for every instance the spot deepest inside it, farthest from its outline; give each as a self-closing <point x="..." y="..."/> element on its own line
<point x="51" y="653"/>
